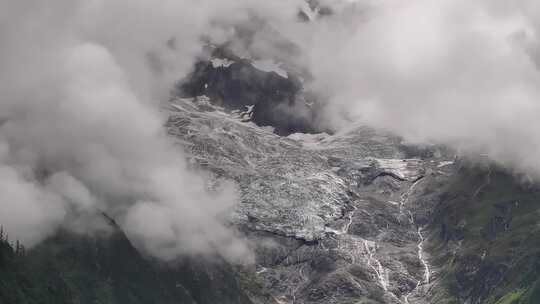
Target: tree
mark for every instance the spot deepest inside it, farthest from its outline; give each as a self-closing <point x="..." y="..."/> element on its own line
<point x="22" y="252"/>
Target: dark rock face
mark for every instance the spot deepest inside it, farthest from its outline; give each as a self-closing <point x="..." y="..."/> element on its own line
<point x="278" y="101"/>
<point x="476" y="279"/>
<point x="450" y="233"/>
<point x="238" y="85"/>
<point x="500" y="220"/>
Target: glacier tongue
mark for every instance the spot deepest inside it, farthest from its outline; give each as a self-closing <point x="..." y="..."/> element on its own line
<point x="331" y="218"/>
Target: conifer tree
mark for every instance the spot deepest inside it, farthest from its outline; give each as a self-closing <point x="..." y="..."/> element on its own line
<point x="23" y="251"/>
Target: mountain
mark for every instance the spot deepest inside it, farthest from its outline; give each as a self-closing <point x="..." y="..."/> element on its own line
<point x="331" y="216"/>
<point x="360" y="215"/>
<point x="355" y="215"/>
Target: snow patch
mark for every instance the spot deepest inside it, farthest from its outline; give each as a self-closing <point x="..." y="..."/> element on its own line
<point x="407" y="169"/>
<point x="221" y="63"/>
<point x="248" y="114"/>
<point x="269" y="65"/>
<point x="370" y="248"/>
<point x="309" y="140"/>
<point x="445" y="163"/>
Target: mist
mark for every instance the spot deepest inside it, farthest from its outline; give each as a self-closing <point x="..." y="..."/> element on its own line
<point x="83" y="83"/>
<point x="82" y="86"/>
<point x="460" y="73"/>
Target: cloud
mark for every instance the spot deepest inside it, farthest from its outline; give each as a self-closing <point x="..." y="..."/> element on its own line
<point x="82" y="82"/>
<point x="80" y="124"/>
<point x="455" y="72"/>
<point x="461" y="73"/>
<point x="28" y="212"/>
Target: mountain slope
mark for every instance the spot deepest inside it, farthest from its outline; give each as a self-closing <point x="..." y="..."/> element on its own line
<point x="331" y="218"/>
<point x="485" y="236"/>
<point x="72" y="268"/>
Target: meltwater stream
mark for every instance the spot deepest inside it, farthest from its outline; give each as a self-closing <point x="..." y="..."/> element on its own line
<point x="420" y="246"/>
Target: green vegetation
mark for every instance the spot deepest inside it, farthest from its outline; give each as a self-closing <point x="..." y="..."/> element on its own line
<point x="512" y="297"/>
<point x="487" y="237"/>
<point x="75" y="269"/>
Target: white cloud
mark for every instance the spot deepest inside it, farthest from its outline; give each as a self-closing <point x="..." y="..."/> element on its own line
<point x="80" y="90"/>
<point x="460" y="72"/>
<point x="81" y="83"/>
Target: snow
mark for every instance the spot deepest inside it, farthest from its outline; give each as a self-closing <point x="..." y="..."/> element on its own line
<point x="370" y="248"/>
<point x="427" y="271"/>
<point x="346" y="227"/>
<point x="248" y="114"/>
<point x="290" y="185"/>
<point x="221" y="63"/>
<point x="421" y="240"/>
<point x="445" y="163"/>
<point x="407" y="169"/>
<point x="309" y="141"/>
<point x="269" y="65"/>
